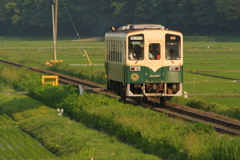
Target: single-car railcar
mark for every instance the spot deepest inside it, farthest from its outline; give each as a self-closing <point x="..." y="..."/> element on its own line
<point x="144" y="60"/>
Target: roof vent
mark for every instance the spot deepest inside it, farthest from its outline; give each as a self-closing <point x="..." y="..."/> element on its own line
<point x="141" y="26"/>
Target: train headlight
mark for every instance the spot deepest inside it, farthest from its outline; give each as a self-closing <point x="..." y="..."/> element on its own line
<point x="135" y="68"/>
<point x="174" y="68"/>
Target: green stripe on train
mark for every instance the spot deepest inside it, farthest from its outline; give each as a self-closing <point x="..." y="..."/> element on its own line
<point x="146" y="75"/>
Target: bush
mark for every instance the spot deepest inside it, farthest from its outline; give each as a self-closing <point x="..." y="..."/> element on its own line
<point x="226" y="149"/>
<point x="71" y="106"/>
<point x="199" y="128"/>
<point x="52" y="95"/>
<point x="232" y="112"/>
<point x="196" y="103"/>
<point x="203" y="105"/>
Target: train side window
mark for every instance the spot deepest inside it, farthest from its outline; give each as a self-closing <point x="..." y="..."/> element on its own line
<point x="154" y="51"/>
<point x="120" y="57"/>
<point x="117" y="56"/>
<point x="110" y="50"/>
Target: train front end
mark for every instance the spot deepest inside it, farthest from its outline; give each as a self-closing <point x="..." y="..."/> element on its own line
<point x="151" y="64"/>
<point x="156" y="68"/>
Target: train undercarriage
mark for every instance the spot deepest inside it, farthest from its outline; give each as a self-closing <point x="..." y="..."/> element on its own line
<point x="163" y="91"/>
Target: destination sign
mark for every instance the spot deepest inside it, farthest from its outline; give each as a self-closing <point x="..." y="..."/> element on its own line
<point x="136" y="37"/>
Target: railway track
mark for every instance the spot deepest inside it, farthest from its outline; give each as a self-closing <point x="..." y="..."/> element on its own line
<point x="61" y="78"/>
<point x="220" y="123"/>
<point x="204" y="74"/>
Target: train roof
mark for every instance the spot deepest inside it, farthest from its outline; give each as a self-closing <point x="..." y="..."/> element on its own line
<point x="134" y="27"/>
<point x="140" y="26"/>
<point x="125" y="29"/>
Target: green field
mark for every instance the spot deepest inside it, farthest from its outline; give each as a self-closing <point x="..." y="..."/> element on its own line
<point x="210" y="55"/>
<point x="71" y="52"/>
<point x="166" y="140"/>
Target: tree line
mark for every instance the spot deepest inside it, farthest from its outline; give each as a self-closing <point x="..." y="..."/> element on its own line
<point x="94" y="17"/>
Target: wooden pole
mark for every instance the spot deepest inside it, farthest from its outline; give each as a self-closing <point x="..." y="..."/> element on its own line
<point x="56" y="17"/>
<point x="56" y="27"/>
<point x="54" y="35"/>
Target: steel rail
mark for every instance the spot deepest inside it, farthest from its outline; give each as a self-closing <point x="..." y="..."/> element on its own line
<point x="220" y="125"/>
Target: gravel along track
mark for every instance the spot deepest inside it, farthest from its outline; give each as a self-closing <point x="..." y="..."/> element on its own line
<point x="220" y="123"/>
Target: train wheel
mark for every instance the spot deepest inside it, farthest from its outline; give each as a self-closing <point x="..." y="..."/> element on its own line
<point x="123" y="98"/>
<point x="163" y="101"/>
<point x="109" y="85"/>
<point x="144" y="99"/>
<point x="138" y="100"/>
<point x="123" y="93"/>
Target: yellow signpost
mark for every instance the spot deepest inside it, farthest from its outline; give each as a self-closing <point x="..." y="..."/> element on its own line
<point x="87" y="57"/>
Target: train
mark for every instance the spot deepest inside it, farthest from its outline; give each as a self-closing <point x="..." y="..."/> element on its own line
<point x="144" y="61"/>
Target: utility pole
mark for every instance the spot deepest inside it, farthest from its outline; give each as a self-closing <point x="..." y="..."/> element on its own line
<point x="55" y="29"/>
<point x="54" y="35"/>
<point x="56" y="16"/>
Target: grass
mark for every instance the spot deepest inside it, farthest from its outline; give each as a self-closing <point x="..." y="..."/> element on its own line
<point x="211" y="67"/>
<point x="229" y="74"/>
<point x="211" y="47"/>
<point x="227" y="101"/>
<point x="16" y="144"/>
<point x="146" y="130"/>
<point x="199" y="84"/>
<point x="210" y="62"/>
<point x="71" y="52"/>
<point x="211" y="39"/>
<point x="62" y="136"/>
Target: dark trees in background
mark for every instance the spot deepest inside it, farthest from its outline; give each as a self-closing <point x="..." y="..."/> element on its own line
<point x="94" y="17"/>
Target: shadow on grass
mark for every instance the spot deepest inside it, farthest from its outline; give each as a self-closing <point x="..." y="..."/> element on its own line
<point x="19" y="103"/>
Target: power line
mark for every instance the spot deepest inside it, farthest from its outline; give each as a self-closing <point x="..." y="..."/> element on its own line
<point x="71" y="20"/>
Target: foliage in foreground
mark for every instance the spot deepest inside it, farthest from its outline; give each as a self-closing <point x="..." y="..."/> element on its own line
<point x="144" y="129"/>
<point x="16" y="144"/>
<point x="131" y="125"/>
<point x="64" y="137"/>
<point x="232" y="112"/>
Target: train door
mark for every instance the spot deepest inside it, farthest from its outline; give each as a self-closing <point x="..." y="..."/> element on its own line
<point x="153" y="61"/>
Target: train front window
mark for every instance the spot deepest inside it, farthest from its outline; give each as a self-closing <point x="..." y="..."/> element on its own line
<point x="154" y="51"/>
<point x="173" y="47"/>
<point x="136" y="47"/>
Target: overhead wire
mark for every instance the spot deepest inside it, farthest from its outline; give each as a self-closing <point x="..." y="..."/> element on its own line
<point x="71" y="20"/>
